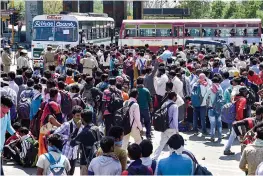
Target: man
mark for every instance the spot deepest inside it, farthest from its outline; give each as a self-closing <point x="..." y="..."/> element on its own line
<point x="69" y="130"/>
<point x="177" y="84"/>
<point x="108" y="163"/>
<point x="6" y="90"/>
<point x="160" y="83"/>
<point x="22" y="60"/>
<point x="55" y="145"/>
<point x="181" y="53"/>
<point x="12" y="84"/>
<point x="241" y="102"/>
<point x="135" y="121"/>
<point x="89" y="63"/>
<point x="140" y="62"/>
<point x="253" y="48"/>
<point x="147" y="149"/>
<point x="106" y="98"/>
<point x="85" y="139"/>
<point x="173" y="125"/>
<point x="148" y="81"/>
<point x="6" y="104"/>
<point x="166" y="54"/>
<point x="225" y="84"/>
<point x="176" y="163"/>
<point x="146" y="106"/>
<point x="6" y="59"/>
<point x="17" y="54"/>
<point x="49" y="57"/>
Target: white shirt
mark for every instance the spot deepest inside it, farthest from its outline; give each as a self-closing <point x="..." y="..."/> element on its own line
<point x="14" y="86"/>
<point x="134" y="114"/>
<point x="103" y="62"/>
<point x="160" y="84"/>
<point x="183" y="55"/>
<point x="43" y="163"/>
<point x="140" y="62"/>
<point x="22" y="61"/>
<point x="178" y="86"/>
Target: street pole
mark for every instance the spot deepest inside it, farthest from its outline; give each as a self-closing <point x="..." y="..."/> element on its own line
<point x="13" y="31"/>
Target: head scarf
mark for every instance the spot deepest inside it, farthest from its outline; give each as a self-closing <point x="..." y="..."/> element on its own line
<point x="202" y="79"/>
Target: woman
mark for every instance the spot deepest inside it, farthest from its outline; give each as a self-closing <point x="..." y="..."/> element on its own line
<point x="252" y="155"/>
<point x="47" y="123"/>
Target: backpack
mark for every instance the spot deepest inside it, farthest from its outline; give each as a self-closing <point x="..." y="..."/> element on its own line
<point x="93" y="150"/>
<point x="56" y="167"/>
<point x="35" y="122"/>
<point x="218" y="102"/>
<point x="142" y="64"/>
<point x="251" y="99"/>
<point x="31" y="157"/>
<point x="23" y="108"/>
<point x="228" y="113"/>
<point x="116" y="101"/>
<point x="66" y="103"/>
<point x="196" y="96"/>
<point x="122" y="118"/>
<point x="87" y="95"/>
<point x="161" y="119"/>
<point x="138" y="170"/>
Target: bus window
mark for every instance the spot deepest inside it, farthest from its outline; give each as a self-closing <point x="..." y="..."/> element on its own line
<point x="163" y="32"/>
<point x="175" y="31"/>
<point x="147" y="32"/>
<point x="232" y="32"/>
<point x="208" y="32"/>
<point x="240" y="32"/>
<point x="181" y="31"/>
<point x="252" y="32"/>
<point x="130" y="33"/>
<point x="194" y="32"/>
<point x="225" y="32"/>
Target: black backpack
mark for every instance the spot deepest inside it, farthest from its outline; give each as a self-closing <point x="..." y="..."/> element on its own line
<point x="116" y="101"/>
<point x="122" y="118"/>
<point x="35" y="122"/>
<point x="161" y="119"/>
<point x="251" y="99"/>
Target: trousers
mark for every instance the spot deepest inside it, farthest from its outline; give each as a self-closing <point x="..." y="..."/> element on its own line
<point x="164" y="138"/>
<point x="231" y="139"/>
<point x="135" y="134"/>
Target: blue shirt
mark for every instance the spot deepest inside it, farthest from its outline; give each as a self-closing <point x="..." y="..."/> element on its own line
<point x="225" y="84"/>
<point x="5" y="126"/>
<point x="71" y="60"/>
<point x="181" y="165"/>
<point x="255" y="69"/>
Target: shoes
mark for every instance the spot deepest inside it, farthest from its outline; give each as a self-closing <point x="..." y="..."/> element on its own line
<point x="219" y="140"/>
<point x="212" y="139"/>
<point x="228" y="152"/>
<point x="205" y="134"/>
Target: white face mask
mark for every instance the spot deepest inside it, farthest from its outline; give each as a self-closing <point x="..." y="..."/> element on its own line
<point x="72" y="94"/>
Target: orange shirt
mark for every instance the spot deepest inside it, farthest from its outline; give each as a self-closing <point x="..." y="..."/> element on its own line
<point x="69" y="80"/>
<point x="124" y="95"/>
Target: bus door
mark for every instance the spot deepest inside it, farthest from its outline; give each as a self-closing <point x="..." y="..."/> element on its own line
<point x="178" y="36"/>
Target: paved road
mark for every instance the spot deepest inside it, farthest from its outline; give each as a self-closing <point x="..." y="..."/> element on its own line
<point x="208" y="154"/>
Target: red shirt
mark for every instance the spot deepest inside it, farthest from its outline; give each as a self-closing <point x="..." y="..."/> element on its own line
<point x="240" y="106"/>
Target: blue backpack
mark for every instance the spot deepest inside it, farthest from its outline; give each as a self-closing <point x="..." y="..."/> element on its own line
<point x="228" y="113"/>
<point x="56" y="167"/>
<point x="218" y="102"/>
<point x="196" y="96"/>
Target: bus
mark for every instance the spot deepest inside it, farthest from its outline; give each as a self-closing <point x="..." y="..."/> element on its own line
<point x="70" y="29"/>
<point x="174" y="33"/>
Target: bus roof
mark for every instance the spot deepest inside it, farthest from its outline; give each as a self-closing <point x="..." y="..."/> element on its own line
<point x="89" y="18"/>
<point x="194" y="21"/>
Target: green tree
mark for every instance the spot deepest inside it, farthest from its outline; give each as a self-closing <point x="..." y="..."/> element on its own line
<point x="198" y="9"/>
<point x="52" y="7"/>
<point x="230" y="10"/>
<point x="97" y="6"/>
<point x="251" y="7"/>
<point x="217" y="9"/>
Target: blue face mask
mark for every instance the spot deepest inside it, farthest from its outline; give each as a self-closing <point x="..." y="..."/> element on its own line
<point x="118" y="143"/>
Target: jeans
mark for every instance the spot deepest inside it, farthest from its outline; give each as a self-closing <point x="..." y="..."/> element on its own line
<point x="248" y="111"/>
<point x="131" y="75"/>
<point x="72" y="166"/>
<point x="201" y="113"/>
<point x="146" y="120"/>
<point x="108" y="121"/>
<point x="215" y="122"/>
<point x="1" y="166"/>
<point x="230" y="140"/>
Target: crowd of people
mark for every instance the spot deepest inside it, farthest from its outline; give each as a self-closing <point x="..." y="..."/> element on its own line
<point x="86" y="102"/>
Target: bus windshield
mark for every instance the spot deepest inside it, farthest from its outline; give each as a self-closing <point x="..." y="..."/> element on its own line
<point x="66" y="31"/>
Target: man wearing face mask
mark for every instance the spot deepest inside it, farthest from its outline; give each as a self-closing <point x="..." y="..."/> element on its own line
<point x="86" y="139"/>
<point x="6" y="59"/>
<point x="69" y="130"/>
<point x="6" y="104"/>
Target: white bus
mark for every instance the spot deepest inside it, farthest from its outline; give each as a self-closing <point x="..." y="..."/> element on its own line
<point x="69" y="29"/>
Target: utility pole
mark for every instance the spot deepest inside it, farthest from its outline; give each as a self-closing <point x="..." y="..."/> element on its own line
<point x="13" y="31"/>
